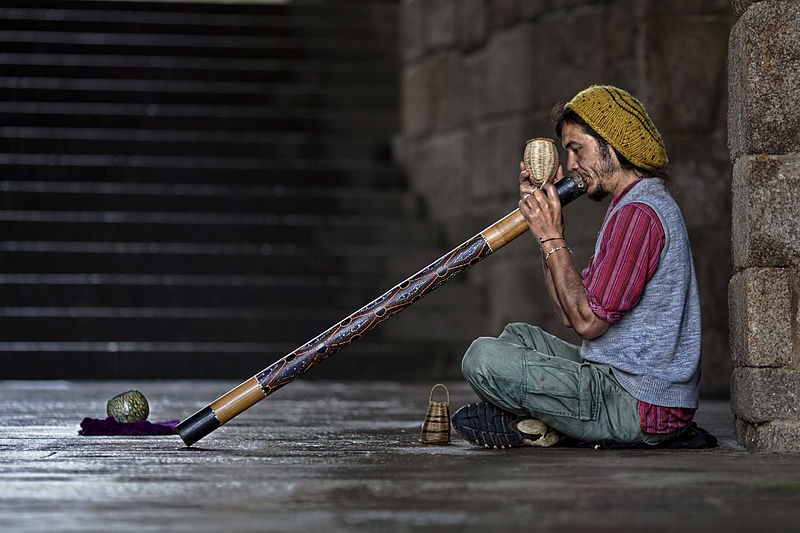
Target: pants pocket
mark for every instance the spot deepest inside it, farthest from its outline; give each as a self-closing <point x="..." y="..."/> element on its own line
<point x="560" y="387"/>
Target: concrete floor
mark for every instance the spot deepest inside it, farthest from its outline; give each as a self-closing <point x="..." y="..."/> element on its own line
<point x="345" y="456"/>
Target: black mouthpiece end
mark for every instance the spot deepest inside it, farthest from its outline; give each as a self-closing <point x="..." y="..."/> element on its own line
<point x="570" y="187"/>
<point x="198" y="426"/>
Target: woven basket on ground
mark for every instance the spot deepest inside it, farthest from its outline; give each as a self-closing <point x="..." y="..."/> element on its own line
<point x="436" y="428"/>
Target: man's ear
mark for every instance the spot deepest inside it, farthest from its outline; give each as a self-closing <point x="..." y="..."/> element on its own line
<point x="615" y="157"/>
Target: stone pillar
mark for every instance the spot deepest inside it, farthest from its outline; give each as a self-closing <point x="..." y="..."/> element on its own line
<point x="764" y="144"/>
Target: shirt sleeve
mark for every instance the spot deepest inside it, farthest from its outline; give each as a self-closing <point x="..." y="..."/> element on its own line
<point x="626" y="260"/>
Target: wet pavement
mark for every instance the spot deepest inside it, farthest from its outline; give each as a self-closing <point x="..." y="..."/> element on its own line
<point x="345" y="456"/>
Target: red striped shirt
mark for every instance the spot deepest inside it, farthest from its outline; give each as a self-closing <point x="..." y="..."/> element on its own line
<point x="615" y="279"/>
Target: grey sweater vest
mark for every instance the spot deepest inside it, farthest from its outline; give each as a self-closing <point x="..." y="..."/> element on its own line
<point x="654" y="350"/>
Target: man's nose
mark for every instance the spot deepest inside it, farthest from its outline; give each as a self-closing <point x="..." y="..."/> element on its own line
<point x="572" y="162"/>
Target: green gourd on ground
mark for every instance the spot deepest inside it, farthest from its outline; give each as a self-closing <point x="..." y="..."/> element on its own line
<point x="130" y="406"/>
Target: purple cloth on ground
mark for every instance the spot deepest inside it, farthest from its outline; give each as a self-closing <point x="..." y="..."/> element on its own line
<point x="109" y="426"/>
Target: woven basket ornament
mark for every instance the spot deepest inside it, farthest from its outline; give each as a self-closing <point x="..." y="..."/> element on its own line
<point x="436" y="428"/>
<point x="541" y="160"/>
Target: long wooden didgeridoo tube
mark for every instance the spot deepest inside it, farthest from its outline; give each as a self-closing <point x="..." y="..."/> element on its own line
<point x="353" y="327"/>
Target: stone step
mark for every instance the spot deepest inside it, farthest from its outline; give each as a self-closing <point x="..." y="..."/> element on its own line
<point x="215" y="228"/>
<point x="35" y="64"/>
<point x="344" y="293"/>
<point x="194" y="116"/>
<point x="339" y="24"/>
<point x="194" y="190"/>
<point x="143" y="91"/>
<point x="194" y="197"/>
<point x="204" y="259"/>
<point x="205" y="169"/>
<point x="265" y="146"/>
<point x="271" y="15"/>
<point x="216" y="324"/>
<point x="126" y="39"/>
<point x="412" y="360"/>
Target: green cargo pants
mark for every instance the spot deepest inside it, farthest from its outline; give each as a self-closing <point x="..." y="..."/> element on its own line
<point x="529" y="372"/>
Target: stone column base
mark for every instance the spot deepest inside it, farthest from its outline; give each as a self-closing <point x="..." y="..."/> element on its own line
<point x="772" y="436"/>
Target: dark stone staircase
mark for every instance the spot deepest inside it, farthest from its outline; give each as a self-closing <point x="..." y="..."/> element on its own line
<point x="194" y="190"/>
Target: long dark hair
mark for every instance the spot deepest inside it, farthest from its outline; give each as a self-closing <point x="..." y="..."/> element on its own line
<point x="560" y="116"/>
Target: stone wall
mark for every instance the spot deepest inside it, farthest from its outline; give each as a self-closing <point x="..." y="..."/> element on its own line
<point x="479" y="77"/>
<point x="764" y="142"/>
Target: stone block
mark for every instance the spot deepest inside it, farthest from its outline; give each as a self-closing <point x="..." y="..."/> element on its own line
<point x="624" y="55"/>
<point x="715" y="364"/>
<point x="764" y="80"/>
<point x="534" y="65"/>
<point x="565" y="8"/>
<point x="761" y="318"/>
<point x="711" y="250"/>
<point x="414" y="163"/>
<point x="412" y="42"/>
<point x="439" y="23"/>
<point x="534" y="8"/>
<point x="740" y="6"/>
<point x="762" y="394"/>
<point x="446" y="167"/>
<point x="689" y="7"/>
<point x="505" y="144"/>
<point x="472" y="28"/>
<point x="472" y="88"/>
<point x="415" y="100"/>
<point x="446" y="95"/>
<point x="765" y="211"/>
<point x="435" y="165"/>
<point x="431" y="95"/>
<point x="772" y="436"/>
<point x="560" y="51"/>
<point x="700" y="175"/>
<point x="483" y="213"/>
<point x="687" y="71"/>
<point x="504" y="13"/>
<point x="511" y="71"/>
<point x="518" y="292"/>
<point x="477" y="182"/>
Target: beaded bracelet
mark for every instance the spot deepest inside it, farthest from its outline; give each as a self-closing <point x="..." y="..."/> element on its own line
<point x="554" y="250"/>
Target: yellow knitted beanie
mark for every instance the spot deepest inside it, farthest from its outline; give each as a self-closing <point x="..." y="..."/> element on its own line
<point x="621" y="120"/>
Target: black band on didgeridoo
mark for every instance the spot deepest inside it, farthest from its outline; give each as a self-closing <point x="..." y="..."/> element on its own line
<point x="198" y="426"/>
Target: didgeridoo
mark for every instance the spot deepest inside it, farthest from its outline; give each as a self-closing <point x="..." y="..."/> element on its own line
<point x="354" y="326"/>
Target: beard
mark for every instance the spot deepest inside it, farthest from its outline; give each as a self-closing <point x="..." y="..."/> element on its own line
<point x="604" y="169"/>
<point x="598" y="193"/>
